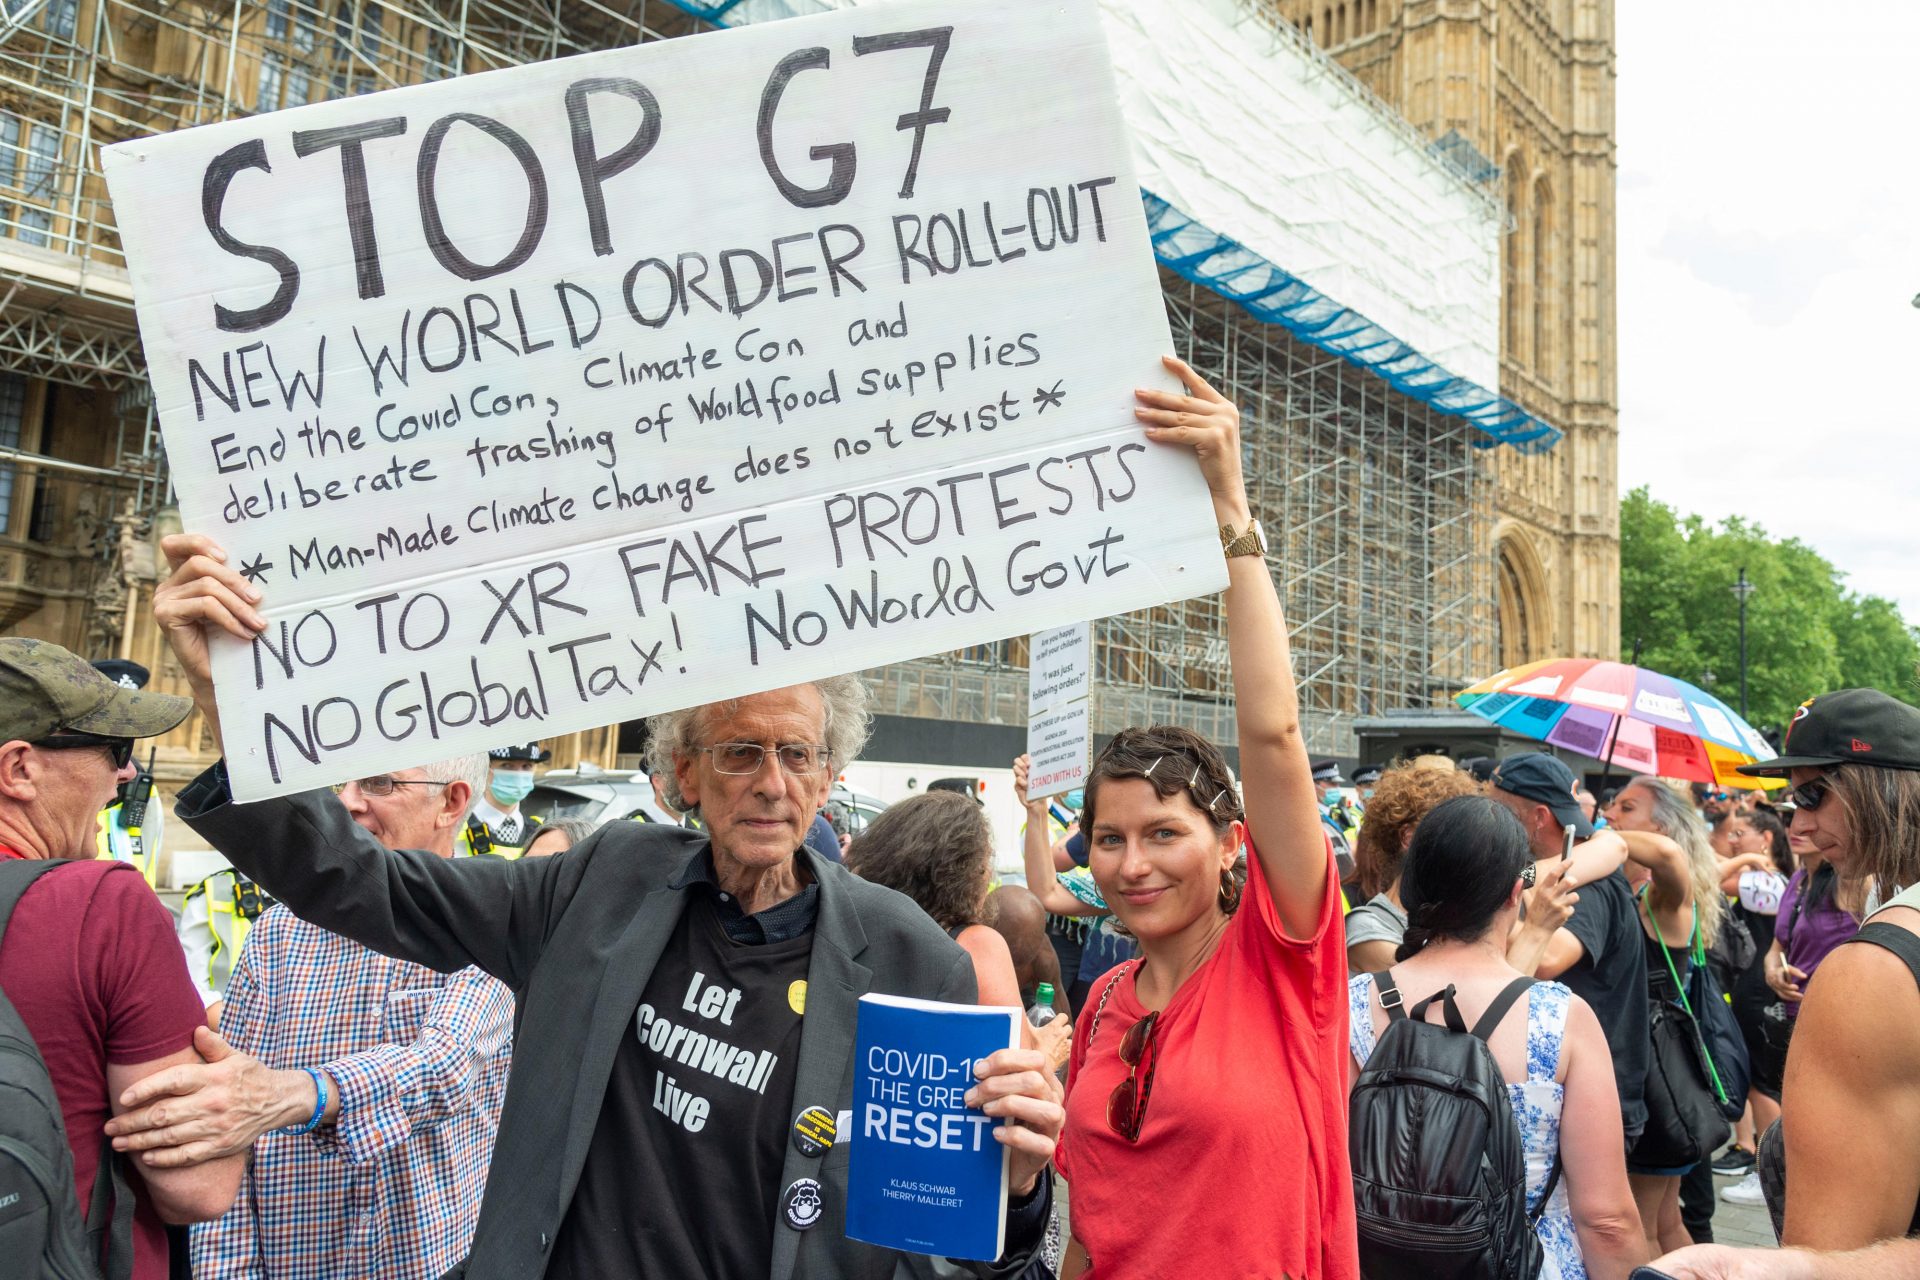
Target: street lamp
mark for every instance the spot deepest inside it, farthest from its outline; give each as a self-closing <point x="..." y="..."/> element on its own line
<point x="1742" y="589"/>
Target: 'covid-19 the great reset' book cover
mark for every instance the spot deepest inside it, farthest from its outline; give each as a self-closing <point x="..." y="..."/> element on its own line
<point x="927" y="1175"/>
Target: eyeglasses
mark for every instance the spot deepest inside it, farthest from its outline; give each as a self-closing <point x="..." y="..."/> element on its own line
<point x="1811" y="794"/>
<point x="1127" y="1107"/>
<point x="120" y="748"/>
<point x="741" y="758"/>
<point x="383" y="784"/>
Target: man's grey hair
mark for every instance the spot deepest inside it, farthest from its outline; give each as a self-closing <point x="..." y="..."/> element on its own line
<point x="848" y="719"/>
<point x="470" y="769"/>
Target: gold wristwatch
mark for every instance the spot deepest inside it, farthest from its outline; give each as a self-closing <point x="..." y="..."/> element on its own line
<point x="1248" y="542"/>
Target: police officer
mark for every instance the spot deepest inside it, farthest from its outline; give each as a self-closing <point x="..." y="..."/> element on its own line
<point x="214" y="920"/>
<point x="1365" y="778"/>
<point x="495" y="825"/>
<point x="130" y="827"/>
<point x="1334" y="814"/>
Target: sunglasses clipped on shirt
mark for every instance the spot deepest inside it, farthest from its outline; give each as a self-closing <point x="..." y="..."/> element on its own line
<point x="1127" y="1106"/>
<point x="120" y="748"/>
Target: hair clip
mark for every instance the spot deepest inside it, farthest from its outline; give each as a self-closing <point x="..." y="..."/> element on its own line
<point x="1195" y="779"/>
<point x="1155" y="765"/>
<point x="1213" y="805"/>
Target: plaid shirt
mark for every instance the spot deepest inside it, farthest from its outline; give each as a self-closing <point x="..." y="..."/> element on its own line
<point x="393" y="1189"/>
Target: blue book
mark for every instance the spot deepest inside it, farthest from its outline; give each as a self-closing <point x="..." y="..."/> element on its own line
<point x="927" y="1175"/>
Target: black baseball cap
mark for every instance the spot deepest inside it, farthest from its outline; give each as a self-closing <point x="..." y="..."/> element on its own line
<point x="1847" y="726"/>
<point x="1539" y="777"/>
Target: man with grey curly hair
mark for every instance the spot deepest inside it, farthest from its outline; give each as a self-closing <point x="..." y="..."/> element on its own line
<point x="675" y="734"/>
<point x="669" y="1118"/>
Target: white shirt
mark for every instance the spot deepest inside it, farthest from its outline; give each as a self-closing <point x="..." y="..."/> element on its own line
<point x="496" y="819"/>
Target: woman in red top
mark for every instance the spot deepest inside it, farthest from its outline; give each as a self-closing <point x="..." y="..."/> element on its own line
<point x="1206" y="1110"/>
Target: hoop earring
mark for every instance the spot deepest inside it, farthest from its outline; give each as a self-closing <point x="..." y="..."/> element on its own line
<point x="1229" y="891"/>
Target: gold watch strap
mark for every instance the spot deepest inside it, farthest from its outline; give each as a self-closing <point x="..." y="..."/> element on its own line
<point x="1248" y="542"/>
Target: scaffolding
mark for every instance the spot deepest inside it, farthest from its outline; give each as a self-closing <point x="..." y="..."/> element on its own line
<point x="77" y="75"/>
<point x="1377" y="507"/>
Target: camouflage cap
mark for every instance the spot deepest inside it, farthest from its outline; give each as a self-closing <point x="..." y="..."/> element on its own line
<point x="46" y="690"/>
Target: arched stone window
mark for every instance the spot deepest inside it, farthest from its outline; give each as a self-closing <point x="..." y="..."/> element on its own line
<point x="1545" y="311"/>
<point x="1524" y="630"/>
<point x="1516" y="293"/>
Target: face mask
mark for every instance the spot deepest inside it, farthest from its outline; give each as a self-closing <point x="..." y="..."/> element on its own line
<point x="1075" y="799"/>
<point x="511" y="788"/>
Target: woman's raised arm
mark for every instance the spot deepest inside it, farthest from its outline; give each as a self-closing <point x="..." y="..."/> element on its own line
<point x="1280" y="802"/>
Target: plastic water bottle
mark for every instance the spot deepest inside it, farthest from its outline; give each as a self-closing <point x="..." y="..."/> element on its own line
<point x="1042" y="1012"/>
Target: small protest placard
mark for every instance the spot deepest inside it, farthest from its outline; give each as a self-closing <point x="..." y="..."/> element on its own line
<point x="1059" y="702"/>
<point x="565" y="394"/>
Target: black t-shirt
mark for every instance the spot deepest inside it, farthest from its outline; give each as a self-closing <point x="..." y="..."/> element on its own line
<point x="1612" y="978"/>
<point x="682" y="1178"/>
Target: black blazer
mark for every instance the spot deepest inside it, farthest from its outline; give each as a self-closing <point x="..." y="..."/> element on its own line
<point x="576" y="937"/>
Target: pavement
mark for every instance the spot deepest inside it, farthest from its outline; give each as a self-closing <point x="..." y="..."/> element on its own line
<point x="1740" y="1224"/>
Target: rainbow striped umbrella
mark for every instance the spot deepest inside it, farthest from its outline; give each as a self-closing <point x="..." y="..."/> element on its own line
<point x="1637" y="719"/>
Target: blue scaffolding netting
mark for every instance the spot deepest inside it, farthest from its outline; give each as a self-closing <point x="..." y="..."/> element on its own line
<point x="1264" y="290"/>
<point x="1270" y="293"/>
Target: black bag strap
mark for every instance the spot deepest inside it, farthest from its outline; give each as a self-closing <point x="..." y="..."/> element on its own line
<point x="110" y="1213"/>
<point x="110" y="1234"/>
<point x="1449" y="1009"/>
<point x="15" y="875"/>
<point x="1546" y="1192"/>
<point x="1895" y="939"/>
<point x="1483" y="1029"/>
<point x="1390" y="998"/>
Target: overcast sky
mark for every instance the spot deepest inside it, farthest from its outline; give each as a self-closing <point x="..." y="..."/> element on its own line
<point x="1769" y="254"/>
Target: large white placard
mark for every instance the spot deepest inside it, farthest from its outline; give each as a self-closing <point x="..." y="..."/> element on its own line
<point x="561" y="395"/>
<point x="1059" y="709"/>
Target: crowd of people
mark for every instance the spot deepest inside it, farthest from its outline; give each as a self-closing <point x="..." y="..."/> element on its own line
<point x="1449" y="1021"/>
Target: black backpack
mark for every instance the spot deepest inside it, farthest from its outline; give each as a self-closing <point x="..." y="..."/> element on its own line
<point x="1439" y="1170"/>
<point x="40" y="1223"/>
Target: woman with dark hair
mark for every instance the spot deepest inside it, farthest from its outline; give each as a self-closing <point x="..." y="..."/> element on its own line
<point x="1756" y="843"/>
<point x="1403" y="795"/>
<point x="937" y="848"/>
<point x="1462" y="881"/>
<point x="1206" y="1109"/>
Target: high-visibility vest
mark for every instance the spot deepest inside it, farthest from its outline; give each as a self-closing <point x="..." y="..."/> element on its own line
<point x="476" y="839"/>
<point x="233" y="904"/>
<point x="126" y="844"/>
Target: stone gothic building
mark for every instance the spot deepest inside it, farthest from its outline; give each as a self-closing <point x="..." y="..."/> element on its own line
<point x="1521" y="93"/>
